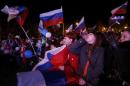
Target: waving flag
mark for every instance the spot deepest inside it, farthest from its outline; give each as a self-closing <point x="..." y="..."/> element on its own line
<point x="22" y="16"/>
<point x="43" y="31"/>
<point x="81" y="25"/>
<point x="69" y="28"/>
<point x="12" y="12"/>
<point x="120" y="10"/>
<point x="54" y="57"/>
<point x="52" y="17"/>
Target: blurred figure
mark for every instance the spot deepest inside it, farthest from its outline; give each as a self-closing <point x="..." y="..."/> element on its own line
<point x="39" y="47"/>
<point x="122" y="59"/>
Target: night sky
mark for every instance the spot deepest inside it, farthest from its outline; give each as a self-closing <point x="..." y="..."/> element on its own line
<point x="93" y="10"/>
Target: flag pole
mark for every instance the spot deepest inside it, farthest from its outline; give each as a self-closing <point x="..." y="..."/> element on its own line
<point x="63" y="29"/>
<point x="29" y="40"/>
<point x="63" y="24"/>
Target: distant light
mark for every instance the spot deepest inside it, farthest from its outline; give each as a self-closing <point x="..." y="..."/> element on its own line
<point x="118" y="18"/>
<point x="122" y="17"/>
<point x="117" y="22"/>
<point x="125" y="27"/>
<point x="76" y="23"/>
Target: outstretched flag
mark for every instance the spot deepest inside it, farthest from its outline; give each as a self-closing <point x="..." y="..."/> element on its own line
<point x="120" y="10"/>
<point x="69" y="28"/>
<point x="81" y="25"/>
<point x="18" y="12"/>
<point x="52" y="17"/>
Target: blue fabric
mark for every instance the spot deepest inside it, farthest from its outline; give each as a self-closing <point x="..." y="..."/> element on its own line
<point x="45" y="66"/>
<point x="49" y="55"/>
<point x="42" y="30"/>
<point x="32" y="78"/>
<point x="55" y="78"/>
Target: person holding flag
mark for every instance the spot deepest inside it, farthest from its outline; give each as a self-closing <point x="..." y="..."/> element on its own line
<point x="62" y="59"/>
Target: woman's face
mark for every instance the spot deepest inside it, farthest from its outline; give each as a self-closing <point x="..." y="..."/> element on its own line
<point x="90" y="38"/>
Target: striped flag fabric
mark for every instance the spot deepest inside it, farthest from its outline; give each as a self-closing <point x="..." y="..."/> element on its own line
<point x="81" y="25"/>
<point x="43" y="31"/>
<point x="52" y="17"/>
<point x="13" y="12"/>
<point x="69" y="28"/>
<point x="54" y="57"/>
<point x="120" y="10"/>
<point x="21" y="17"/>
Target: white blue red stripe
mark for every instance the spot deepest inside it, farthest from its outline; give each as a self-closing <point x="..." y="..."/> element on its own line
<point x="120" y="10"/>
<point x="81" y="25"/>
<point x="52" y="17"/>
<point x="59" y="52"/>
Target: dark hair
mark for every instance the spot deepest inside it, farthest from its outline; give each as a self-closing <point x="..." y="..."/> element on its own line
<point x="71" y="35"/>
<point x="98" y="43"/>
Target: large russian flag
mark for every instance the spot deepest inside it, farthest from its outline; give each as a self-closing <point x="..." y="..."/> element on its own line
<point x="55" y="57"/>
<point x="52" y="17"/>
<point x="81" y="25"/>
<point x="120" y="10"/>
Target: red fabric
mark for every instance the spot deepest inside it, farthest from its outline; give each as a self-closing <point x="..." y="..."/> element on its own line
<point x="22" y="17"/>
<point x="72" y="77"/>
<point x="22" y="55"/>
<point x="86" y="68"/>
<point x="53" y="22"/>
<point x="74" y="61"/>
<point x="70" y="62"/>
<point x="60" y="58"/>
<point x="70" y="69"/>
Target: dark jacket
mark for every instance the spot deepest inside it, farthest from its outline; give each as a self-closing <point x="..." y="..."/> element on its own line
<point x="96" y="66"/>
<point x="123" y="60"/>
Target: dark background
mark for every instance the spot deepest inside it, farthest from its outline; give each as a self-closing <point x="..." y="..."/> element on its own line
<point x="93" y="10"/>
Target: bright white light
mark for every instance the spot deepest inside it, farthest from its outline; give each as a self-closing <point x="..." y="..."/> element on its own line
<point x="76" y="23"/>
<point x="125" y="27"/>
<point x="117" y="22"/>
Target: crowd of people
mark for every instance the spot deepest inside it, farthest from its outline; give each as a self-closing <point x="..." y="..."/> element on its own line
<point x="89" y="58"/>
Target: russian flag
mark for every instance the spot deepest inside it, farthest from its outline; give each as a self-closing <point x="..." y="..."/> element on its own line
<point x="12" y="11"/>
<point x="55" y="57"/>
<point x="120" y="10"/>
<point x="52" y="17"/>
<point x="21" y="17"/>
<point x="43" y="31"/>
<point x="81" y="25"/>
<point x="40" y="28"/>
<point x="69" y="28"/>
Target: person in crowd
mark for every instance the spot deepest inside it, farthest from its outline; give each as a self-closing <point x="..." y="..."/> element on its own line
<point x="91" y="58"/>
<point x="122" y="59"/>
<point x="39" y="47"/>
<point x="67" y="63"/>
